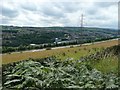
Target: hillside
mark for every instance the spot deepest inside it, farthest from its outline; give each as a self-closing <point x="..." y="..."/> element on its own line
<point x="89" y="65"/>
<point x="74" y="52"/>
<point x="50" y="72"/>
<point x="15" y="36"/>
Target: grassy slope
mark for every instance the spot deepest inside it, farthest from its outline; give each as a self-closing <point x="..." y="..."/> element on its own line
<point x="69" y="52"/>
<point x="106" y="65"/>
<point x="106" y="60"/>
<point x="98" y="70"/>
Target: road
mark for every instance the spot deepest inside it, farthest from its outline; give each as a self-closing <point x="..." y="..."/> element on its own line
<point x="36" y="50"/>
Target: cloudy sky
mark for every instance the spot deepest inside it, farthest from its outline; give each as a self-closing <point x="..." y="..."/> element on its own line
<point x="59" y="13"/>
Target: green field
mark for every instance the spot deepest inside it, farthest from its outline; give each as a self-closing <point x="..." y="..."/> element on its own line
<point x="62" y="53"/>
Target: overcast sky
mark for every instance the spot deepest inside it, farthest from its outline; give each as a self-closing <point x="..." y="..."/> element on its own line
<point x="59" y="13"/>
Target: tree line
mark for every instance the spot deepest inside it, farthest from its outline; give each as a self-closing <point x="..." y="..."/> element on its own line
<point x="49" y="45"/>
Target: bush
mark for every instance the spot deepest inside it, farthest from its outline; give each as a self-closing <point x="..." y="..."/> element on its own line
<point x="48" y="48"/>
<point x="75" y="51"/>
<point x="52" y="73"/>
<point x="64" y="54"/>
<point x="72" y="46"/>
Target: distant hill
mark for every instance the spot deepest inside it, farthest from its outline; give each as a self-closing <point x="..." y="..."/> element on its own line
<point x="14" y="36"/>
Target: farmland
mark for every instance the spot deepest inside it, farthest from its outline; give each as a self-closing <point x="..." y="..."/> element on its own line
<point x="63" y="53"/>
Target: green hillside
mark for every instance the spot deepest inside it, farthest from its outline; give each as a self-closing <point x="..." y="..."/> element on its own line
<point x="99" y="70"/>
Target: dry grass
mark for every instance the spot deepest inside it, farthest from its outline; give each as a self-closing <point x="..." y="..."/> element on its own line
<point x="70" y="52"/>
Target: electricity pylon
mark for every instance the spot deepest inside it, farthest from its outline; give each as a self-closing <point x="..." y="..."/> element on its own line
<point x="81" y="20"/>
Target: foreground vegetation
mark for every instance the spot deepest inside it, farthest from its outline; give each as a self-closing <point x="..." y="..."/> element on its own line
<point x="35" y="74"/>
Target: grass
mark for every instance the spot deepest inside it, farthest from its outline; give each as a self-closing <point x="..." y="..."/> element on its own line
<point x="105" y="65"/>
<point x="108" y="65"/>
<point x="63" y="53"/>
<point x="75" y="53"/>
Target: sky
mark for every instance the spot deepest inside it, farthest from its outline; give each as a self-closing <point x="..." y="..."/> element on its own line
<point x="63" y="13"/>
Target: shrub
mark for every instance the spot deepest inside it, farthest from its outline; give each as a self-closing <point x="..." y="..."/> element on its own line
<point x="48" y="48"/>
<point x="71" y="46"/>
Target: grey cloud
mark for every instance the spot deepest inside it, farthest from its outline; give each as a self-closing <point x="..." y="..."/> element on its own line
<point x="94" y="14"/>
<point x="68" y="7"/>
<point x="5" y="21"/>
<point x="59" y="10"/>
<point x="60" y="20"/>
<point x="52" y="11"/>
<point x="64" y="13"/>
<point x="29" y="6"/>
<point x="11" y="13"/>
<point x="91" y="11"/>
<point x="63" y="20"/>
<point x="104" y="4"/>
<point x="94" y="9"/>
